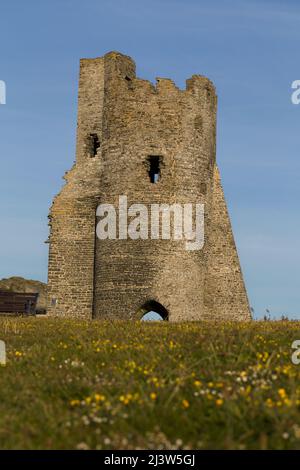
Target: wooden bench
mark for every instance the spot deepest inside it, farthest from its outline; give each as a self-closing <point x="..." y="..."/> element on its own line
<point x="18" y="303"/>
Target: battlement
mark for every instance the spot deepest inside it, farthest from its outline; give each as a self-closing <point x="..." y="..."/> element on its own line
<point x="122" y="67"/>
<point x="110" y="93"/>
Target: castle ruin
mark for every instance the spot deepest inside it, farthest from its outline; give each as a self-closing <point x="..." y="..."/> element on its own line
<point x="154" y="144"/>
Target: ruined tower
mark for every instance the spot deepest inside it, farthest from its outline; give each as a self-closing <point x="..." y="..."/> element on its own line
<point x="155" y="144"/>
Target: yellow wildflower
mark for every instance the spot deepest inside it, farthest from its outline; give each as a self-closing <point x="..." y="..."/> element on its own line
<point x="282" y="393"/>
<point x="74" y="402"/>
<point x="197" y="383"/>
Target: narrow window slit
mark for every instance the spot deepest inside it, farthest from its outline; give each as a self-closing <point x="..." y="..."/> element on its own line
<point x="94" y="144"/>
<point x="154" y="168"/>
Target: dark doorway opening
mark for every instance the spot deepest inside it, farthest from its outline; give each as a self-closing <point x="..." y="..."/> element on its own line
<point x="153" y="311"/>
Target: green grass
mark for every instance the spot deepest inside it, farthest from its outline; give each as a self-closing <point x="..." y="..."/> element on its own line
<point x="71" y="384"/>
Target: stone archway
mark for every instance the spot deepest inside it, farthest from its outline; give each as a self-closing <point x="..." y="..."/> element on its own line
<point x="153" y="310"/>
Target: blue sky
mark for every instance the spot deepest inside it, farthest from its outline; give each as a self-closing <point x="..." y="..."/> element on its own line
<point x="250" y="49"/>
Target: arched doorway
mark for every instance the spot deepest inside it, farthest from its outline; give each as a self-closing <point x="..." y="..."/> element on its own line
<point x="153" y="311"/>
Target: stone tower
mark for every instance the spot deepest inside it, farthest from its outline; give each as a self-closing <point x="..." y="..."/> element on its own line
<point x="155" y="144"/>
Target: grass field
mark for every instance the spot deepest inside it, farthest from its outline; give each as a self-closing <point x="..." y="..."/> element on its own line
<point x="100" y="385"/>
